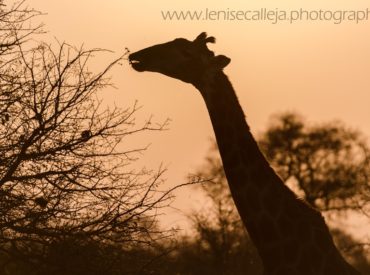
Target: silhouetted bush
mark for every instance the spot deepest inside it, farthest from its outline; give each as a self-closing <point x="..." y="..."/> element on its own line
<point x="70" y="200"/>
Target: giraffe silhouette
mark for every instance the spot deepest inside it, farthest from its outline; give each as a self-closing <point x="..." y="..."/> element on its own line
<point x="291" y="237"/>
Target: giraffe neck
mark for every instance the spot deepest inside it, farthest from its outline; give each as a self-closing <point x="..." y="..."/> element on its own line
<point x="283" y="228"/>
<point x="248" y="173"/>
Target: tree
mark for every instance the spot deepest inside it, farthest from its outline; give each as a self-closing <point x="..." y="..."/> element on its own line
<point x="15" y="27"/>
<point x="326" y="164"/>
<point x="65" y="175"/>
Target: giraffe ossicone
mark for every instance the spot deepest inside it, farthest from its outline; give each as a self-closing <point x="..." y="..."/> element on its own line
<point x="290" y="236"/>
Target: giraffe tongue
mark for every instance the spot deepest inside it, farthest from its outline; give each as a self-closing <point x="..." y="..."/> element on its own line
<point x="137" y="65"/>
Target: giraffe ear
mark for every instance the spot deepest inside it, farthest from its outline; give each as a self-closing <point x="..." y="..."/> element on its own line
<point x="221" y="61"/>
<point x="210" y="39"/>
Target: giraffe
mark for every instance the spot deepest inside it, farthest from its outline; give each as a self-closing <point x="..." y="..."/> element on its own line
<point x="291" y="237"/>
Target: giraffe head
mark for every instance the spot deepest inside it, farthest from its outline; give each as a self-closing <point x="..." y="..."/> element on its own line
<point x="181" y="59"/>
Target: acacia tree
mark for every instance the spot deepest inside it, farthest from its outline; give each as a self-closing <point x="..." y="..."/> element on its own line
<point x="15" y="27"/>
<point x="65" y="173"/>
<point x="327" y="164"/>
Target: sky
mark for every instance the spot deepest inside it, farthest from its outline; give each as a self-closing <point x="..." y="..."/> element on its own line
<point x="317" y="68"/>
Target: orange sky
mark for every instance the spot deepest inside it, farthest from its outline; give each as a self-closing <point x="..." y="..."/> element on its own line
<point x="319" y="69"/>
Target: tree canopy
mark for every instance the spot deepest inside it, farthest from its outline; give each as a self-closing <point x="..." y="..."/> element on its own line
<point x="67" y="182"/>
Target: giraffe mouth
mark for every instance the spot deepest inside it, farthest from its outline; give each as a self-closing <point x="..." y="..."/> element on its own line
<point x="136" y="64"/>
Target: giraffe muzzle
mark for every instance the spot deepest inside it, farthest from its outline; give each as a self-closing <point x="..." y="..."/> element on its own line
<point x="137" y="65"/>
